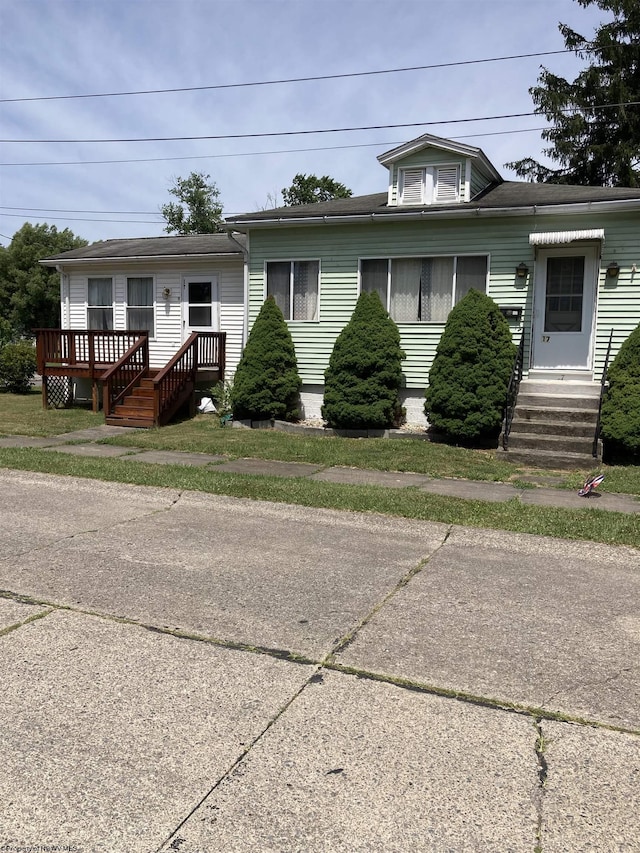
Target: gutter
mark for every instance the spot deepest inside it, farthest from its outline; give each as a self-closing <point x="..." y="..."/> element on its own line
<point x="560" y="209"/>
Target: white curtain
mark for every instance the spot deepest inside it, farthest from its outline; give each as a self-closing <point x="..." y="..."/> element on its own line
<point x="278" y="285"/>
<point x="305" y="290"/>
<point x="437" y="288"/>
<point x="405" y="289"/>
<point x="100" y="303"/>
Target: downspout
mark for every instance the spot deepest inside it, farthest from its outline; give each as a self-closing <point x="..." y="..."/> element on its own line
<point x="245" y="315"/>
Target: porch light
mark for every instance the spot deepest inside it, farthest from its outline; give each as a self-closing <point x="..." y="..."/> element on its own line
<point x="522" y="270"/>
<point x="613" y="270"/>
<point x="166" y="293"/>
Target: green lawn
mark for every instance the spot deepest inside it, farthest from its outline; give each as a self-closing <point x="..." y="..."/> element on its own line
<point x="24" y="416"/>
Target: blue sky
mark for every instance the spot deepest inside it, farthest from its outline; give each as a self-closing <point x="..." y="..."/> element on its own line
<point x="77" y="47"/>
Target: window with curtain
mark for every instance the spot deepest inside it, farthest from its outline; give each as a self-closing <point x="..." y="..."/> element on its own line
<point x="294" y="285"/>
<point x="423" y="290"/>
<point x="100" y="303"/>
<point x="140" y="304"/>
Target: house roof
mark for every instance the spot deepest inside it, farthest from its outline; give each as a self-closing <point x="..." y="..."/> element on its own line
<point x="154" y="247"/>
<point x="504" y="195"/>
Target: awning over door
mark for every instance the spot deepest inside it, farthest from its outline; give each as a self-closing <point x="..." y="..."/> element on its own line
<point x="561" y="238"/>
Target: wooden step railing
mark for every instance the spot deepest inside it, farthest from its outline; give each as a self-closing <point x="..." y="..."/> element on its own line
<point x="175" y="381"/>
<point x="125" y="374"/>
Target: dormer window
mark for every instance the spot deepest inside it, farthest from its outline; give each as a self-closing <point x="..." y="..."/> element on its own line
<point x="430" y="185"/>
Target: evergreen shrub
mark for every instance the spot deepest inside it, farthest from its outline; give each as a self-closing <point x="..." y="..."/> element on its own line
<point x="364" y="373"/>
<point x="266" y="383"/>
<point x="470" y="372"/>
<point x="17" y="366"/>
<point x="620" y="421"/>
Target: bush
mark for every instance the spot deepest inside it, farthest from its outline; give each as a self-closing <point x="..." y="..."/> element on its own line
<point x="17" y="366"/>
<point x="364" y="373"/>
<point x="620" y="419"/>
<point x="470" y="373"/>
<point x="266" y="383"/>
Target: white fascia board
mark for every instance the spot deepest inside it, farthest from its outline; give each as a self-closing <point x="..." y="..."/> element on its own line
<point x="63" y="262"/>
<point x="450" y="213"/>
<point x="427" y="141"/>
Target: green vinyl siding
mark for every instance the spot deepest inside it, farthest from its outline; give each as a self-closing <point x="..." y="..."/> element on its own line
<point x="504" y="239"/>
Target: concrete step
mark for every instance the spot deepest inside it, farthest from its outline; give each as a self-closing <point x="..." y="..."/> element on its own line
<point x="556" y="415"/>
<point x="551" y="427"/>
<point x="549" y="459"/>
<point x="560" y="389"/>
<point x="552" y="443"/>
<point x="550" y="401"/>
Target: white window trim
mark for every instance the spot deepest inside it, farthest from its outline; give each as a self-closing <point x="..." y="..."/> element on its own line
<point x="187" y="278"/>
<point x="390" y="258"/>
<point x="152" y="335"/>
<point x="291" y="262"/>
<point x="87" y="306"/>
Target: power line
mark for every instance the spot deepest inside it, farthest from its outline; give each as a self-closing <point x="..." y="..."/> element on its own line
<point x="258" y="153"/>
<point x="286" y="80"/>
<point x="75" y="219"/>
<point x="67" y="210"/>
<point x="300" y="132"/>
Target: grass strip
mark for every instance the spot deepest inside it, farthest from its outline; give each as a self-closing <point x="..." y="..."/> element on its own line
<point x="588" y="524"/>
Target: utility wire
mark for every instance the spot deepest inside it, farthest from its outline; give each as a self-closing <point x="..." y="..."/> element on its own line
<point x="79" y="219"/>
<point x="67" y="210"/>
<point x="301" y="132"/>
<point x="286" y="80"/>
<point x="259" y="153"/>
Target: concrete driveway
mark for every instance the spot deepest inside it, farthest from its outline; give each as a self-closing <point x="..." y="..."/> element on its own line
<point x="199" y="673"/>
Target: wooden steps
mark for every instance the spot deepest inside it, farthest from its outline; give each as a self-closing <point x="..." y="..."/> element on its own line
<point x="137" y="408"/>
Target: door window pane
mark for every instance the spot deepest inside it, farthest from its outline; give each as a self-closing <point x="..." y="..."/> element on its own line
<point x="564" y="294"/>
<point x="199" y="315"/>
<point x="199" y="292"/>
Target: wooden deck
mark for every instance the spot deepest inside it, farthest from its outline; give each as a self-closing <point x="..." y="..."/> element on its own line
<point x="117" y="362"/>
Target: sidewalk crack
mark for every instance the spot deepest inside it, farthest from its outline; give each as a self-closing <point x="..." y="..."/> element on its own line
<point x="543" y="771"/>
<point x="345" y="641"/>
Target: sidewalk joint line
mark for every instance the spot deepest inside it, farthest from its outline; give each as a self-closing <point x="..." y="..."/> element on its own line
<point x="33" y="618"/>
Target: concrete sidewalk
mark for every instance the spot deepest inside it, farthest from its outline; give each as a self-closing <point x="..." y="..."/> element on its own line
<point x="83" y="443"/>
<point x="191" y="672"/>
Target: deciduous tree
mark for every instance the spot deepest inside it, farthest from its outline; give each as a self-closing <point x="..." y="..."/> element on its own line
<point x="308" y="189"/>
<point x="198" y="211"/>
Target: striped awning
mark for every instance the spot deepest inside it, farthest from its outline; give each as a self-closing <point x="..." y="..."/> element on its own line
<point x="559" y="238"/>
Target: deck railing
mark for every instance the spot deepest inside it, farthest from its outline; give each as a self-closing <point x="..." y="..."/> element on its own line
<point x="211" y="351"/>
<point x="89" y="349"/>
<point x="125" y="374"/>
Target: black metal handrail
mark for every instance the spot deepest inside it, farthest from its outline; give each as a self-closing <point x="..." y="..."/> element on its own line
<point x="603" y="384"/>
<point x="512" y="393"/>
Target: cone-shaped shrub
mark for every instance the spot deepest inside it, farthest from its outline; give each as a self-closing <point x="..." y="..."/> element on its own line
<point x="471" y="370"/>
<point x="621" y="405"/>
<point x="364" y="373"/>
<point x="266" y="382"/>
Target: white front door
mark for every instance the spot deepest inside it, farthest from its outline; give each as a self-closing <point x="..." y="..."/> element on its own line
<point x="200" y="306"/>
<point x="563" y="308"/>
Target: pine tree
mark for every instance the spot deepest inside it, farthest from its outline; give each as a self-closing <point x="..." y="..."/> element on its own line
<point x="621" y="404"/>
<point x="364" y="373"/>
<point x="470" y="372"/>
<point x="266" y="383"/>
<point x="595" y="132"/>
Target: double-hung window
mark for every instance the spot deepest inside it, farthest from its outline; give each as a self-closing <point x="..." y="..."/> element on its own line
<point x="294" y="285"/>
<point x="423" y="290"/>
<point x="430" y="184"/>
<point x="100" y="303"/>
<point x="140" y="304"/>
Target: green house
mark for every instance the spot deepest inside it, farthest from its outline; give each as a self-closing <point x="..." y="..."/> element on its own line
<point x="562" y="262"/>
